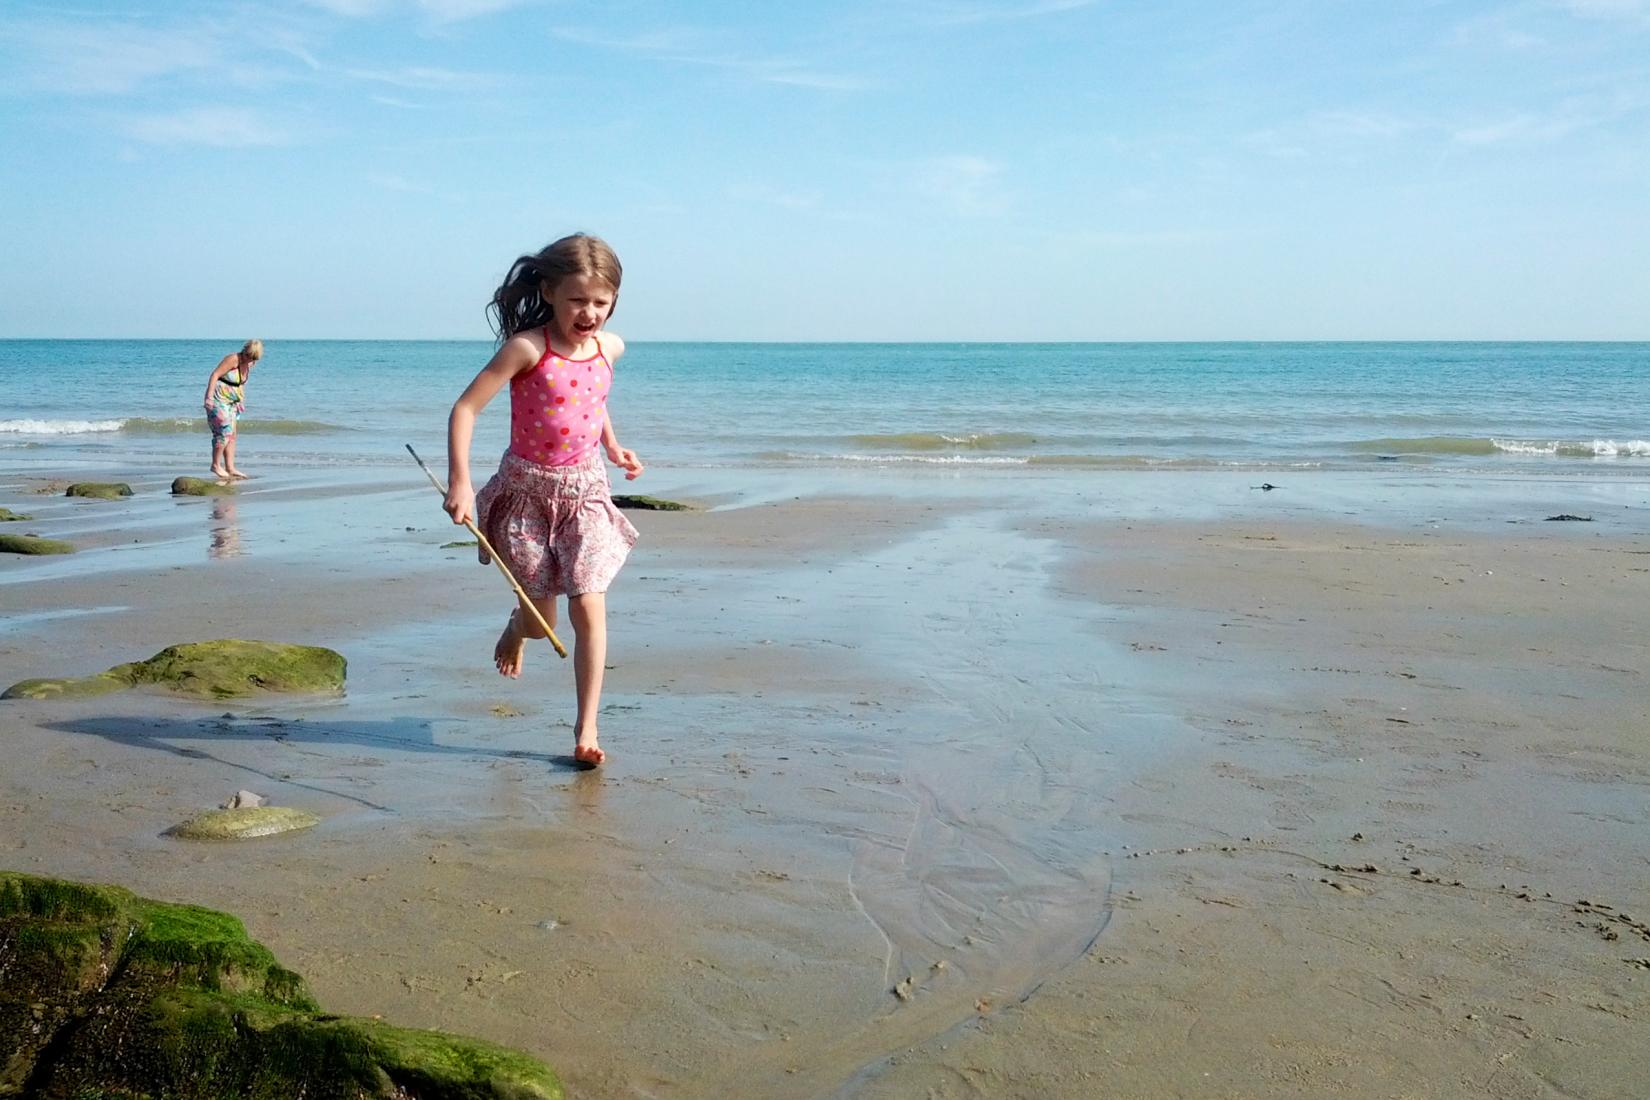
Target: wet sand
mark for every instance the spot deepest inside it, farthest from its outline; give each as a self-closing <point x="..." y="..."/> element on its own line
<point x="947" y="798"/>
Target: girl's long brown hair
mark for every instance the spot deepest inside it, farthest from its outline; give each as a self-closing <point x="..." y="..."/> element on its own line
<point x="518" y="304"/>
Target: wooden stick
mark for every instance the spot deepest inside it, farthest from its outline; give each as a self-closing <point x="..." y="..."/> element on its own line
<point x="498" y="561"/>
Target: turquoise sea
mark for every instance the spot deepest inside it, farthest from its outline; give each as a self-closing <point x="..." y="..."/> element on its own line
<point x="1579" y="409"/>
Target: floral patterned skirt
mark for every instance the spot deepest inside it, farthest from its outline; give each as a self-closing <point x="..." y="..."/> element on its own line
<point x="221" y="418"/>
<point x="556" y="527"/>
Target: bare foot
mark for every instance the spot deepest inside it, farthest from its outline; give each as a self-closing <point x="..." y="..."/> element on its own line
<point x="238" y="476"/>
<point x="588" y="753"/>
<point x="220" y="474"/>
<point x="507" y="653"/>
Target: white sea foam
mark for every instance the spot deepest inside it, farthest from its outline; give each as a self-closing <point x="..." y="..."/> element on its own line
<point x="934" y="460"/>
<point x="1520" y="447"/>
<point x="155" y="425"/>
<point x="59" y="427"/>
<point x="1635" y="448"/>
<point x="1596" y="448"/>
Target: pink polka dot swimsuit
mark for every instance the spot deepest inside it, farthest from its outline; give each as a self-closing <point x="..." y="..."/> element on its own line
<point x="557" y="409"/>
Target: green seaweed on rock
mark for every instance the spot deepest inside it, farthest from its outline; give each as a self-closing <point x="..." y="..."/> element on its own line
<point x="649" y="504"/>
<point x="244" y="823"/>
<point x="221" y="669"/>
<point x="109" y="995"/>
<point x="99" y="490"/>
<point x="201" y="487"/>
<point x="33" y="544"/>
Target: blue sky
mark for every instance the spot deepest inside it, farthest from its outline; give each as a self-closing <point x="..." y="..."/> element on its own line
<point x="893" y="169"/>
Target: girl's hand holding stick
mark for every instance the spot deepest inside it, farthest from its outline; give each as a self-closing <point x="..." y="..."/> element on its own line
<point x="462" y="516"/>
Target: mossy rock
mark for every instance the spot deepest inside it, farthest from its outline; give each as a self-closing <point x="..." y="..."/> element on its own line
<point x="217" y="670"/>
<point x="9" y="516"/>
<point x="33" y="544"/>
<point x="244" y="823"/>
<point x="650" y="504"/>
<point x="99" y="490"/>
<point x="111" y="995"/>
<point x="201" y="487"/>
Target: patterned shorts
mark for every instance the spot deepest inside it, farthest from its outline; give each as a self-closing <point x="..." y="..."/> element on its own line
<point x="556" y="527"/>
<point x="221" y="418"/>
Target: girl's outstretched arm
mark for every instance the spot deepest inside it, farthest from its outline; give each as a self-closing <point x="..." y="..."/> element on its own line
<point x="618" y="455"/>
<point x="612" y="344"/>
<point x="518" y="354"/>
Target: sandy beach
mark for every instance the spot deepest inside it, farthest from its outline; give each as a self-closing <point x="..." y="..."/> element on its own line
<point x="921" y="792"/>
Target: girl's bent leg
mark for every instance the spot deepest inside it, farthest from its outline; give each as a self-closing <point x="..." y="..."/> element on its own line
<point x="589" y="615"/>
<point x="520" y="626"/>
<point x="217" y="458"/>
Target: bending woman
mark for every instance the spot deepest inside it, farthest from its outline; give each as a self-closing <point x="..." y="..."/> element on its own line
<point x="225" y="401"/>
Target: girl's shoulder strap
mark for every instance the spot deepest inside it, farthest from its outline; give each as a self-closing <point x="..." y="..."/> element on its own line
<point x="601" y="352"/>
<point x="544" y="355"/>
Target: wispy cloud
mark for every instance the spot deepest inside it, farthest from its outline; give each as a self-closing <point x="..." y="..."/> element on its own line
<point x="351" y="9"/>
<point x="1141" y="238"/>
<point x="1361" y="124"/>
<point x="1500" y="30"/>
<point x="685" y="46"/>
<point x="1516" y="128"/>
<point x="1633" y="11"/>
<point x="1332" y="131"/>
<point x="426" y="79"/>
<point x="437" y="11"/>
<point x="104" y="58"/>
<point x="457" y="11"/>
<point x="1576" y="114"/>
<point x="1276" y="142"/>
<point x="393" y="182"/>
<point x="221" y="127"/>
<point x="85" y="54"/>
<point x="773" y="196"/>
<point x="968" y="186"/>
<point x="961" y="12"/>
<point x="1539" y="24"/>
<point x="297" y="49"/>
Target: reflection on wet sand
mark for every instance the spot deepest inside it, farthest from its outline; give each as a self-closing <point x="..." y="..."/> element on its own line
<point x="226" y="533"/>
<point x="588" y="790"/>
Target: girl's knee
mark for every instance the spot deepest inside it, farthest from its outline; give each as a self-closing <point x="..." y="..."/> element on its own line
<point x="587" y="607"/>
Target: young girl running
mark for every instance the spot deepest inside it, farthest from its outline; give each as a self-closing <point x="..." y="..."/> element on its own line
<point x="549" y="511"/>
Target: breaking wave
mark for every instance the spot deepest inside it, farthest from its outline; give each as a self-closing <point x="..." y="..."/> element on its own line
<point x="156" y="425"/>
<point x="1467" y="445"/>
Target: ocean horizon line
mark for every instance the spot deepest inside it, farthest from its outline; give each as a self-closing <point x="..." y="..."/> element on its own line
<point x="678" y="342"/>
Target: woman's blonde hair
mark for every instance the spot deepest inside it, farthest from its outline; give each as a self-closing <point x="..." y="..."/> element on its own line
<point x="253" y="349"/>
<point x="519" y="302"/>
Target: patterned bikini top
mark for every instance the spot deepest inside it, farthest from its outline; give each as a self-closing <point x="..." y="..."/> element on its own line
<point x="231" y="392"/>
<point x="557" y="409"/>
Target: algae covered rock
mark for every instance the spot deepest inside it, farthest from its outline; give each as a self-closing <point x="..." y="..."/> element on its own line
<point x="111" y="995"/>
<point x="217" y="670"/>
<point x="244" y="823"/>
<point x="201" y="487"/>
<point x="99" y="490"/>
<point x="33" y="544"/>
<point x="9" y="516"/>
<point x="649" y="504"/>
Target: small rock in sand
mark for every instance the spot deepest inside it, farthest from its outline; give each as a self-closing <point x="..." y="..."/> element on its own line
<point x="245" y="823"/>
